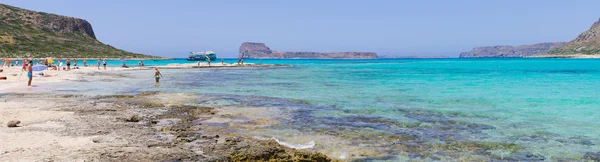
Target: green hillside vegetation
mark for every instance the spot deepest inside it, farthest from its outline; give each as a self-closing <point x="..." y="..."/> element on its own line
<point x="25" y="33"/>
<point x="587" y="43"/>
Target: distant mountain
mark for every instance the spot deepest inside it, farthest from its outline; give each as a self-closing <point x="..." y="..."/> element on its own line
<point x="260" y="50"/>
<point x="511" y="51"/>
<point x="586" y="44"/>
<point x="391" y="56"/>
<point x="26" y="33"/>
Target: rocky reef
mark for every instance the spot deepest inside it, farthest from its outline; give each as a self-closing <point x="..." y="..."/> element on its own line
<point x="511" y="51"/>
<point x="260" y="50"/>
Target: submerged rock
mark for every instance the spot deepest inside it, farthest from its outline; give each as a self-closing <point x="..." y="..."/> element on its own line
<point x="134" y="118"/>
<point x="13" y="123"/>
<point x="592" y="156"/>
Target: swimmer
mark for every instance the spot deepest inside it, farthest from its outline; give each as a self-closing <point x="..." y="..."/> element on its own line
<point x="157" y="75"/>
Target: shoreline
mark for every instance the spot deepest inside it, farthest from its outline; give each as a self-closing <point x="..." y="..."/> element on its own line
<point x="64" y="58"/>
<point x="565" y="56"/>
<point x="148" y="126"/>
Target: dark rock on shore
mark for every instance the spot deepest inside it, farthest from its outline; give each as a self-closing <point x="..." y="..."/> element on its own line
<point x="260" y="50"/>
<point x="13" y="123"/>
<point x="511" y="51"/>
<point x="242" y="149"/>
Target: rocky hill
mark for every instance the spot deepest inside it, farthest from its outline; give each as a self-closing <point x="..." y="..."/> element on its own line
<point x="26" y="33"/>
<point x="587" y="43"/>
<point x="260" y="50"/>
<point x="511" y="51"/>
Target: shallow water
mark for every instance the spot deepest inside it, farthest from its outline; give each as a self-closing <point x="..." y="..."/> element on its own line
<point x="549" y="108"/>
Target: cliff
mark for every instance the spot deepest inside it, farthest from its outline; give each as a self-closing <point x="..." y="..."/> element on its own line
<point x="26" y="33"/>
<point x="260" y="50"/>
<point x="511" y="51"/>
<point x="587" y="43"/>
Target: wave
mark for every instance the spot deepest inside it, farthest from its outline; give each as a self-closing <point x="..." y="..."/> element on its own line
<point x="308" y="145"/>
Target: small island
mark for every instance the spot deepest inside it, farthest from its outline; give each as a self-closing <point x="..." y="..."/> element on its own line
<point x="260" y="50"/>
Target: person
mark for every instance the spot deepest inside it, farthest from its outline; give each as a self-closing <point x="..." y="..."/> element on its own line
<point x="24" y="65"/>
<point x="260" y="61"/>
<point x="140" y="63"/>
<point x="68" y="64"/>
<point x="8" y="62"/>
<point x="222" y="62"/>
<point x="98" y="64"/>
<point x="198" y="63"/>
<point x="242" y="61"/>
<point x="208" y="60"/>
<point x="157" y="75"/>
<point x="143" y="64"/>
<point x="74" y="62"/>
<point x="84" y="63"/>
<point x="30" y="72"/>
<point x="104" y="64"/>
<point x="239" y="60"/>
<point x="59" y="64"/>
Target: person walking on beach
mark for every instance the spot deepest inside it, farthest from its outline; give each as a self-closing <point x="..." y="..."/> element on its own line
<point x="68" y="64"/>
<point x="208" y="60"/>
<point x="24" y="65"/>
<point x="157" y="75"/>
<point x="30" y="72"/>
<point x="59" y="64"/>
<point x="104" y="64"/>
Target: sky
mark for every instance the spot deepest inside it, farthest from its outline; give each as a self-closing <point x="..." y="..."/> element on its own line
<point x="389" y="27"/>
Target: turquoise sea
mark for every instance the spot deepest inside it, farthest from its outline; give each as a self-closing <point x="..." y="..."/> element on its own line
<point x="398" y="109"/>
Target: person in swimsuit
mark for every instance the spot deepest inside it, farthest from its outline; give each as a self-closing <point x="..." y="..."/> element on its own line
<point x="68" y="64"/>
<point x="84" y="63"/>
<point x="74" y="63"/>
<point x="104" y="64"/>
<point x="24" y="65"/>
<point x="30" y="72"/>
<point x="157" y="75"/>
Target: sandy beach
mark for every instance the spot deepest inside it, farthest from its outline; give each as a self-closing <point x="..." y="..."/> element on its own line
<point x="142" y="127"/>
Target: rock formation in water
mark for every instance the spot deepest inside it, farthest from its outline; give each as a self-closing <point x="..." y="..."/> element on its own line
<point x="26" y="33"/>
<point x="511" y="51"/>
<point x="587" y="43"/>
<point x="260" y="50"/>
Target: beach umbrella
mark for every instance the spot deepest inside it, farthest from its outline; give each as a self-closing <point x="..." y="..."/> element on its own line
<point x="38" y="68"/>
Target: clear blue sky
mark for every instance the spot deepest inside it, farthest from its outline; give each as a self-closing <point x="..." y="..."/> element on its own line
<point x="389" y="27"/>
